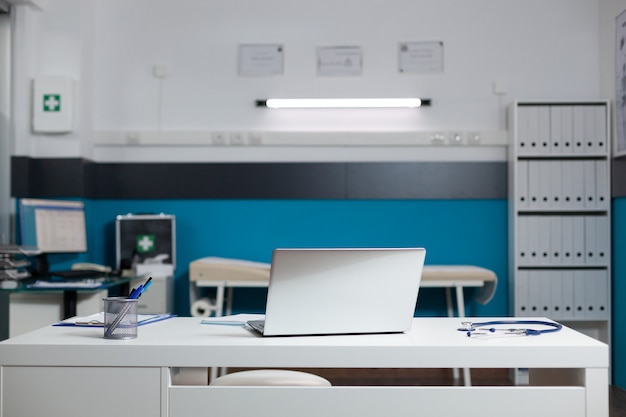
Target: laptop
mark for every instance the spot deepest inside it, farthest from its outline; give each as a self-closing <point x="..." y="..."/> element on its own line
<point x="341" y="291"/>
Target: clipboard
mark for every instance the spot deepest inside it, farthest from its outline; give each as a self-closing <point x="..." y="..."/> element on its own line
<point x="97" y="320"/>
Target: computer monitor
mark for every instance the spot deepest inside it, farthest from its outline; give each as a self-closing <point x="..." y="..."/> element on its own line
<point x="52" y="226"/>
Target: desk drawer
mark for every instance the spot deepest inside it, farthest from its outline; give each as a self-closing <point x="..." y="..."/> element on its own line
<point x="196" y="401"/>
<point x="80" y="391"/>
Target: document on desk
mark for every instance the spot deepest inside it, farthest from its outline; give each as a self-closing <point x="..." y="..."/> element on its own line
<point x="64" y="284"/>
<point x="97" y="320"/>
<point x="232" y="320"/>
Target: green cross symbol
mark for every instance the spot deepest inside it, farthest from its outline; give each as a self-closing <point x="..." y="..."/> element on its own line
<point x="145" y="243"/>
<point x="51" y="102"/>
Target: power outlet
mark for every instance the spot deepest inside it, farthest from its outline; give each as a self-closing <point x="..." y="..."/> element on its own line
<point x="237" y="139"/>
<point x="218" y="138"/>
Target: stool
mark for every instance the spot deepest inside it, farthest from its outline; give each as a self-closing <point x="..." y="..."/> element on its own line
<point x="271" y="377"/>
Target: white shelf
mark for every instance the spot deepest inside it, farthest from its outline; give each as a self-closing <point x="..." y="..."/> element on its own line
<point x="559" y="213"/>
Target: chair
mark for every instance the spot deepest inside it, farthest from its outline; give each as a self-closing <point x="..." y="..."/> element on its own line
<point x="270" y="377"/>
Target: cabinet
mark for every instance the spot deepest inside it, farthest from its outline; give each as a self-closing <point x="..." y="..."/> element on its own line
<point x="559" y="214"/>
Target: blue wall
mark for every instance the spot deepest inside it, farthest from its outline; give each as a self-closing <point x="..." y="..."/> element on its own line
<point x="452" y="231"/>
<point x="618" y="342"/>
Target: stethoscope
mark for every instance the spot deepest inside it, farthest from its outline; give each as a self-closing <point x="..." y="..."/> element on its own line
<point x="485" y="327"/>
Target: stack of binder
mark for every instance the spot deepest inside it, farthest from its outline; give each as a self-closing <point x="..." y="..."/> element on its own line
<point x="13" y="264"/>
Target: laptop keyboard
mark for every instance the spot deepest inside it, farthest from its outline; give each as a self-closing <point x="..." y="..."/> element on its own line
<point x="258" y="325"/>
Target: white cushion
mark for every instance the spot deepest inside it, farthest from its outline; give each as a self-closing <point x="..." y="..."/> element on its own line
<point x="276" y="377"/>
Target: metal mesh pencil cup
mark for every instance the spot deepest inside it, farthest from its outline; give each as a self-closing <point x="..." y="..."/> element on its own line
<point x="120" y="318"/>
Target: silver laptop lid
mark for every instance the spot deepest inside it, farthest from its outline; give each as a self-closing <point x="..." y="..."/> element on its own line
<point x="343" y="290"/>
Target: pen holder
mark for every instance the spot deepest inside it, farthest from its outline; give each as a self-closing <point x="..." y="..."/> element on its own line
<point x="120" y="318"/>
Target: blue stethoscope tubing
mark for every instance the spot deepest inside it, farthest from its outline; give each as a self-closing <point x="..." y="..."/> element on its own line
<point x="471" y="327"/>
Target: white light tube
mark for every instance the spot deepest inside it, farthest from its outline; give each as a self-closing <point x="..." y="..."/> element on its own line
<point x="317" y="103"/>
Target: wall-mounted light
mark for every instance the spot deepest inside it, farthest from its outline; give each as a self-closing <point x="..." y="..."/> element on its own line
<point x="338" y="103"/>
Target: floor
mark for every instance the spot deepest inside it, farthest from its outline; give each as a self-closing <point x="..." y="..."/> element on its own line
<point x="339" y="377"/>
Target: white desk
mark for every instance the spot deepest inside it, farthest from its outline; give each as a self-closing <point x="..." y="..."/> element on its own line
<point x="225" y="274"/>
<point x="75" y="372"/>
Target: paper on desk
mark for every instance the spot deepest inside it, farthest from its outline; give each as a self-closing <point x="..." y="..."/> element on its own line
<point x="232" y="320"/>
<point x="65" y="284"/>
<point x="97" y="320"/>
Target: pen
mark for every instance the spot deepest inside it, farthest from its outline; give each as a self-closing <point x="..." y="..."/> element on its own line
<point x="136" y="293"/>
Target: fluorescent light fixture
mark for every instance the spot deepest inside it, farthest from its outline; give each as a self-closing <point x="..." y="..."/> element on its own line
<point x="355" y="103"/>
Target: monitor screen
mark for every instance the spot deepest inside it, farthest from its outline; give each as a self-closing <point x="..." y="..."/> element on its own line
<point x="53" y="226"/>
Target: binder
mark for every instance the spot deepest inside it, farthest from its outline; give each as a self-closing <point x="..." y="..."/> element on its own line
<point x="556" y="291"/>
<point x="601" y="129"/>
<point x="602" y="295"/>
<point x="602" y="239"/>
<point x="556" y="241"/>
<point x="521" y="294"/>
<point x="603" y="197"/>
<point x="555" y="129"/>
<point x="580" y="298"/>
<point x="522" y="184"/>
<point x="556" y="185"/>
<point x="567" y="300"/>
<point x="534" y="247"/>
<point x="589" y="184"/>
<point x="534" y="184"/>
<point x="532" y="124"/>
<point x="578" y="188"/>
<point x="545" y="292"/>
<point x="533" y="289"/>
<point x="522" y="251"/>
<point x="567" y="240"/>
<point x="567" y="185"/>
<point x="523" y="142"/>
<point x="578" y="230"/>
<point x="544" y="232"/>
<point x="578" y="130"/>
<point x="545" y="183"/>
<point x="590" y="130"/>
<point x="591" y="255"/>
<point x="592" y="294"/>
<point x="567" y="129"/>
<point x="543" y="130"/>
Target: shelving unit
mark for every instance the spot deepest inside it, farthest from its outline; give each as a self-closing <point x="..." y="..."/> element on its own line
<point x="559" y="214"/>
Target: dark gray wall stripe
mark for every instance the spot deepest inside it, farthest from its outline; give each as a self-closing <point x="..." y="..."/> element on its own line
<point x="618" y="178"/>
<point x="43" y="178"/>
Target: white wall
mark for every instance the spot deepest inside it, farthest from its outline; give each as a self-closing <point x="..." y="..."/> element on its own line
<point x="537" y="50"/>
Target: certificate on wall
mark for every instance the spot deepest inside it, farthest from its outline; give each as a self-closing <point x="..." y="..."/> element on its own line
<point x="339" y="61"/>
<point x="421" y="57"/>
<point x="260" y="60"/>
<point x="619" y="144"/>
